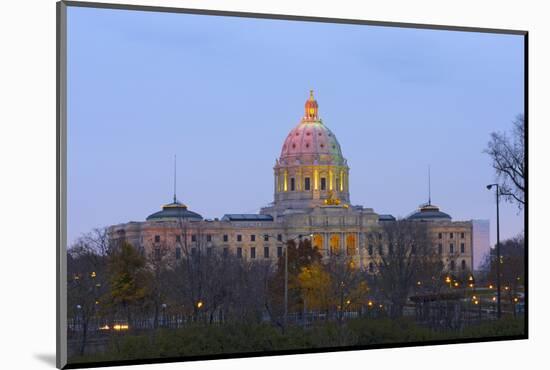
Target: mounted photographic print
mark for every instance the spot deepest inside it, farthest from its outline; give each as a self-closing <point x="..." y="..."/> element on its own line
<point x="236" y="184"/>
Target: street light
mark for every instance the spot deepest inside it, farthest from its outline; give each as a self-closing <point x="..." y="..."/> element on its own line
<point x="489" y="187"/>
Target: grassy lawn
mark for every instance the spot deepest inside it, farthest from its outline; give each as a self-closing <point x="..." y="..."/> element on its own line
<point x="242" y="338"/>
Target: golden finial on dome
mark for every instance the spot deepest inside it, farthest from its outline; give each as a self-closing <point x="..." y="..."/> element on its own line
<point x="311" y="95"/>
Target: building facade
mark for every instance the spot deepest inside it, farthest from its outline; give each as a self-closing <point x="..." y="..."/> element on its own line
<point x="311" y="200"/>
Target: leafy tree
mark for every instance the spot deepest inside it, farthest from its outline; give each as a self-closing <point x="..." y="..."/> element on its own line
<point x="128" y="277"/>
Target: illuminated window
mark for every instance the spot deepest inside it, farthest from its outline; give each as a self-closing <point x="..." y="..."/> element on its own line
<point x="292" y="184"/>
<point x="253" y="252"/>
<point x="307" y="183"/>
<point x="323" y="183"/>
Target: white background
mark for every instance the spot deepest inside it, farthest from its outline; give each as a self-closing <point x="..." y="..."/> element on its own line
<point x="27" y="185"/>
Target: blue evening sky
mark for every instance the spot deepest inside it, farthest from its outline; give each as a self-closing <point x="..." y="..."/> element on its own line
<point x="222" y="93"/>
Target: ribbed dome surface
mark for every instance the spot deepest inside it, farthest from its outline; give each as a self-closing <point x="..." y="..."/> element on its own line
<point x="310" y="141"/>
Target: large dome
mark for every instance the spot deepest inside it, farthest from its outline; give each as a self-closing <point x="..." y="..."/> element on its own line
<point x="311" y="170"/>
<point x="311" y="141"/>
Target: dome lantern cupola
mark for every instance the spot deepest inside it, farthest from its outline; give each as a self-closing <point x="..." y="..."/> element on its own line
<point x="311" y="108"/>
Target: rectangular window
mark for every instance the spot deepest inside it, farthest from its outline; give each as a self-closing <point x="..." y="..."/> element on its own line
<point x="239" y="252"/>
<point x="323" y="183"/>
<point x="239" y="238"/>
<point x="193" y="238"/>
<point x="178" y="253"/>
<point x="440" y="248"/>
<point x="461" y="235"/>
<point x="440" y="236"/>
<point x="266" y="252"/>
<point x="451" y="235"/>
<point x="178" y="238"/>
<point x="279" y="251"/>
<point x="306" y="183"/>
<point x="292" y="184"/>
<point x="280" y="237"/>
<point x="252" y="238"/>
<point x="208" y="237"/>
<point x="461" y="247"/>
<point x="266" y="238"/>
<point x="225" y="238"/>
<point x="225" y="252"/>
<point x="451" y="248"/>
<point x="370" y="250"/>
<point x="253" y="252"/>
<point x="157" y="238"/>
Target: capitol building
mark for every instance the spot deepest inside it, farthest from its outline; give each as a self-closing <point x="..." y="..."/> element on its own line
<point x="311" y="200"/>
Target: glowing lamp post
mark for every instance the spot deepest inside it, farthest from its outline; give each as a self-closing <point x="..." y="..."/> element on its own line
<point x="498" y="248"/>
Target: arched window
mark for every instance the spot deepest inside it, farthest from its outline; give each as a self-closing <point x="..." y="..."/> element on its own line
<point x="350" y="245"/>
<point x="318" y="241"/>
<point x="452" y="265"/>
<point x="335" y="244"/>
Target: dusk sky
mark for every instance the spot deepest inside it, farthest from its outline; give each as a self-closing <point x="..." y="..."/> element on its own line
<point x="222" y="93"/>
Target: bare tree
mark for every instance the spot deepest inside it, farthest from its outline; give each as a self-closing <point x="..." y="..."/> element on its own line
<point x="403" y="254"/>
<point x="508" y="156"/>
<point x="348" y="284"/>
<point x="87" y="280"/>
